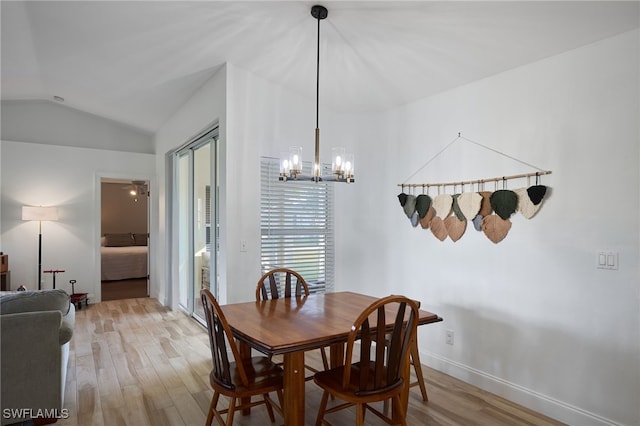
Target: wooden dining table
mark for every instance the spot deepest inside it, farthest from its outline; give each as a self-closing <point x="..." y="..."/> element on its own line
<point x="291" y="326"/>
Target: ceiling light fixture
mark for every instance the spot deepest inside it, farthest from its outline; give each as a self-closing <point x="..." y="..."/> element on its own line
<point x="341" y="162"/>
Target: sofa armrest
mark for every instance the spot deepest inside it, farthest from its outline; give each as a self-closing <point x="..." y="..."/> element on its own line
<point x="33" y="301"/>
<point x="67" y="325"/>
<point x="30" y="359"/>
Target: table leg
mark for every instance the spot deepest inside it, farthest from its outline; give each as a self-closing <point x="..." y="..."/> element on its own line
<point x="336" y="355"/>
<point x="294" y="388"/>
<point x="245" y="353"/>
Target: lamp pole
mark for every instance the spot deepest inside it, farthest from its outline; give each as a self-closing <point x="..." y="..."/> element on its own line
<point x="39" y="255"/>
<point x="39" y="213"/>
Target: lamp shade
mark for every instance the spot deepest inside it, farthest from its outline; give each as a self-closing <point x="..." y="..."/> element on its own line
<point x="39" y="213"/>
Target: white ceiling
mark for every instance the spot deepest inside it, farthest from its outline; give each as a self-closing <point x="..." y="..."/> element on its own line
<point x="137" y="62"/>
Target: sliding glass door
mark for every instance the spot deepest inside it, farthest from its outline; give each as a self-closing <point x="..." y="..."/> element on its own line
<point x="197" y="220"/>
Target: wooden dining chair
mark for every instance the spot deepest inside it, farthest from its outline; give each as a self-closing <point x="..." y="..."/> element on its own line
<point x="417" y="368"/>
<point x="372" y="373"/>
<point x="414" y="360"/>
<point x="281" y="283"/>
<point x="235" y="378"/>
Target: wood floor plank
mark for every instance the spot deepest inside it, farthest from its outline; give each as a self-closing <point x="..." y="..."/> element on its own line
<point x="188" y="407"/>
<point x="124" y="369"/>
<point x="89" y="407"/>
<point x="191" y="380"/>
<point x="109" y="388"/>
<point x="154" y="389"/>
<point x="137" y="408"/>
<point x="168" y="375"/>
<point x="134" y="362"/>
<point x="167" y="417"/>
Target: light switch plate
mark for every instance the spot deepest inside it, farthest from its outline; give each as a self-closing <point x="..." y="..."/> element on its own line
<point x="607" y="260"/>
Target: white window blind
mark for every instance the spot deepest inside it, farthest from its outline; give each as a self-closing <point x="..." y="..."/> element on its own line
<point x="296" y="220"/>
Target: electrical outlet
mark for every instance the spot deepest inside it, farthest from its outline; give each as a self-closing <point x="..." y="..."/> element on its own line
<point x="449" y="339"/>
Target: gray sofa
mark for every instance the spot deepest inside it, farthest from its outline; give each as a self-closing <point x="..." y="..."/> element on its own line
<point x="36" y="328"/>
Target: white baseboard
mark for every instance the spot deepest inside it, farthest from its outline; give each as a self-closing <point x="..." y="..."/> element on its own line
<point x="533" y="400"/>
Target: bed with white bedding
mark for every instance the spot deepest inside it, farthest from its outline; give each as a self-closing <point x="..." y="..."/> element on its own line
<point x="120" y="261"/>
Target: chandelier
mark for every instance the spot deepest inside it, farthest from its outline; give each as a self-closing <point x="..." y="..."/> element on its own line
<point x="342" y="169"/>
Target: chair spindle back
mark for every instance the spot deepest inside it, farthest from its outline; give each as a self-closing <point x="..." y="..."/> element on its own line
<point x="281" y="282"/>
<point x="381" y="368"/>
<point x="219" y="336"/>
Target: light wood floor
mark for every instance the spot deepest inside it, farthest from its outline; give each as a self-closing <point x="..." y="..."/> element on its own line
<point x="133" y="362"/>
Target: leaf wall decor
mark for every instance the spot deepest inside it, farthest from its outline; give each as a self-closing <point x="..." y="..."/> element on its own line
<point x="490" y="212"/>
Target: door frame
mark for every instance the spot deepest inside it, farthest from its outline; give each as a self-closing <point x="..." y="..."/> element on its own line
<point x="97" y="295"/>
<point x="172" y="207"/>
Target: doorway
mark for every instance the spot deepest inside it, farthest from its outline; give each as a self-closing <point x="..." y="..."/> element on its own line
<point x="124" y="242"/>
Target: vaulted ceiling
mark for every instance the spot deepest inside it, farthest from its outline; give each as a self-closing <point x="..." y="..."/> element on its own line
<point x="137" y="62"/>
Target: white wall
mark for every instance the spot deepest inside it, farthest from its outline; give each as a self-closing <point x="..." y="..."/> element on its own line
<point x="256" y="119"/>
<point x="263" y="120"/>
<point x="534" y="320"/>
<point x="206" y="108"/>
<point x="69" y="178"/>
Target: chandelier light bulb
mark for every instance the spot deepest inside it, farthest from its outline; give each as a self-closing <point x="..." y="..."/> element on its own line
<point x="294" y="160"/>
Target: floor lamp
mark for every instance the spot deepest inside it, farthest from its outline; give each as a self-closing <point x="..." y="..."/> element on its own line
<point x="39" y="214"/>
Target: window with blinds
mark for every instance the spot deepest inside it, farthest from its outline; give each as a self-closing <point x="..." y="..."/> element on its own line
<point x="296" y="221"/>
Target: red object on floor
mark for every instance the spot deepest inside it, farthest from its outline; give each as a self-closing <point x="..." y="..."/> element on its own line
<point x="78" y="298"/>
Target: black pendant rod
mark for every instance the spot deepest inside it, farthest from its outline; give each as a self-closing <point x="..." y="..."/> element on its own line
<point x="318" y="12"/>
<point x="318" y="77"/>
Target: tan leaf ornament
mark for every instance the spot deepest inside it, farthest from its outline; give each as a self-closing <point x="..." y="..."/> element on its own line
<point x="495" y="228"/>
<point x="455" y="227"/>
<point x="438" y="228"/>
<point x="426" y="220"/>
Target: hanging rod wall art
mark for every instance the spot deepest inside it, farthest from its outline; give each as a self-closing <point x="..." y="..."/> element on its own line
<point x="447" y="215"/>
<point x="472" y="182"/>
